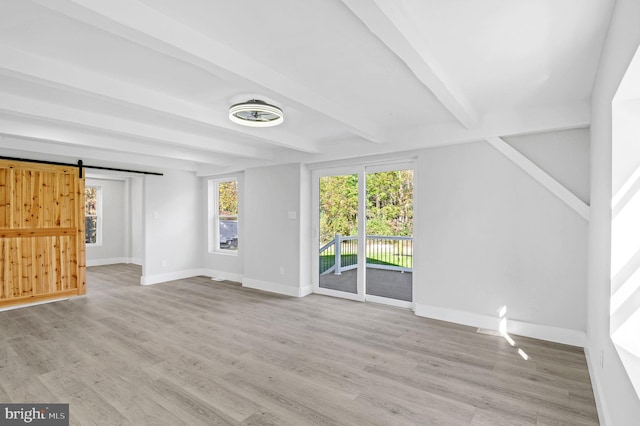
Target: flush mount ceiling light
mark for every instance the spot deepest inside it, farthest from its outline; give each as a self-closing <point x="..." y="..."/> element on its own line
<point x="255" y="113"/>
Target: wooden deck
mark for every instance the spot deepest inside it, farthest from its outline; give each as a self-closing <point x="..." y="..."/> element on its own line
<point x="200" y="352"/>
<point x="380" y="282"/>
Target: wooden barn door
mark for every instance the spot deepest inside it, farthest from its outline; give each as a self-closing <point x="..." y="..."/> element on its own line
<point x="42" y="233"/>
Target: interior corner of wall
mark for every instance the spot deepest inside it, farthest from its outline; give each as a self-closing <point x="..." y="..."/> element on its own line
<point x="596" y="383"/>
<point x="217" y="275"/>
<point x="278" y="288"/>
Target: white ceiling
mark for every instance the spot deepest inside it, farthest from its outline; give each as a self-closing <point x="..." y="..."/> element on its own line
<point x="146" y="84"/>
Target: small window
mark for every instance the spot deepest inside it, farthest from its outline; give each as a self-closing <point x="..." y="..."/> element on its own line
<point x="92" y="215"/>
<point x="224" y="217"/>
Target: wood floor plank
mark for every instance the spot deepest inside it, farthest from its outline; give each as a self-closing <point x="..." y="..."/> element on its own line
<point x="132" y="401"/>
<point x="478" y="396"/>
<point x="457" y="373"/>
<point x="208" y="388"/>
<point x="86" y="405"/>
<point x="484" y="417"/>
<point x="189" y="407"/>
<point x="200" y="352"/>
<point x="281" y="404"/>
<point x="434" y="403"/>
<point x="334" y="381"/>
<point x="29" y="349"/>
<point x="415" y="413"/>
<point x="264" y="418"/>
<point x="15" y="370"/>
<point x="4" y="395"/>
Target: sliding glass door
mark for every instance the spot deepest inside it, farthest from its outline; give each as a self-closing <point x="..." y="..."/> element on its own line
<point x="363" y="233"/>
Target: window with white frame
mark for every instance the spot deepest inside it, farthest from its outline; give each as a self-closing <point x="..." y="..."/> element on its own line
<point x="93" y="215"/>
<point x="223" y="215"/>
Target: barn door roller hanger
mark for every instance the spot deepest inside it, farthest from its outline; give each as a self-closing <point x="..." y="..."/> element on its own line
<point x="80" y="165"/>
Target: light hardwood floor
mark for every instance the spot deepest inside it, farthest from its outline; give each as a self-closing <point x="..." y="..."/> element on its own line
<point x="197" y="351"/>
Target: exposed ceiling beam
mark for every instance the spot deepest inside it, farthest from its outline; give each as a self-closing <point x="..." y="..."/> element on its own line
<point x="394" y="27"/>
<point x="511" y="122"/>
<point x="207" y="170"/>
<point x="32" y="149"/>
<point x="508" y="122"/>
<point x="29" y="128"/>
<point x="542" y="177"/>
<point x="144" y="25"/>
<point x="100" y="122"/>
<point x="86" y="82"/>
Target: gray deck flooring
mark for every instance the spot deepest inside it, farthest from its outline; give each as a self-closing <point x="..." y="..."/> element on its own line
<point x="380" y="282"/>
<point x="200" y="352"/>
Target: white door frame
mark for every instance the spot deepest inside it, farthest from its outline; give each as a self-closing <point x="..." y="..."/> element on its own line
<point x="361" y="170"/>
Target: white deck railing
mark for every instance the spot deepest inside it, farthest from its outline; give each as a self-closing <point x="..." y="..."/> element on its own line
<point x="382" y="252"/>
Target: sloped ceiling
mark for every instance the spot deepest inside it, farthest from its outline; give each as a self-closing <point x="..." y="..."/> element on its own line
<point x="148" y="83"/>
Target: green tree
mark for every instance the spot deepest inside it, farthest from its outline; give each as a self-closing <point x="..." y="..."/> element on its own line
<point x="338" y="206"/>
<point x="228" y="198"/>
<point x="389" y="204"/>
<point x="91" y="214"/>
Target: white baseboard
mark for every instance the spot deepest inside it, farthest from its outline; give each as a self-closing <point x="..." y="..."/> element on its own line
<point x="546" y="332"/>
<point x="306" y="290"/>
<point x="458" y="317"/>
<point x="390" y="302"/>
<point x="277" y="288"/>
<point x="592" y="366"/>
<point x="536" y="331"/>
<point x="107" y="261"/>
<point x="222" y="275"/>
<point x="113" y="261"/>
<point x="169" y="276"/>
<point x="249" y="283"/>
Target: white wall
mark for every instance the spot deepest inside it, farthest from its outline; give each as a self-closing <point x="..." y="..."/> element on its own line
<point x="618" y="403"/>
<point x="490" y="236"/>
<point x="304" y="218"/>
<point x="172" y="227"/>
<point x="223" y="265"/>
<point x="564" y="155"/>
<point x="136" y="198"/>
<point x="112" y="249"/>
<point x="273" y="257"/>
<point x="121" y="221"/>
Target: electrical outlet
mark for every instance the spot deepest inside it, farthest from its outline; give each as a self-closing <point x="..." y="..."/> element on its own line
<point x="164" y="263"/>
<point x="282" y="270"/>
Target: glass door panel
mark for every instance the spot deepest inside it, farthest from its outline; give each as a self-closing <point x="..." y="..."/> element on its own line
<point x="389" y="234"/>
<point x="338" y="233"/>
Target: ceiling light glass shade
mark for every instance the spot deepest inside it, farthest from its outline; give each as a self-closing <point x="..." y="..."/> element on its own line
<point x="256" y="113"/>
